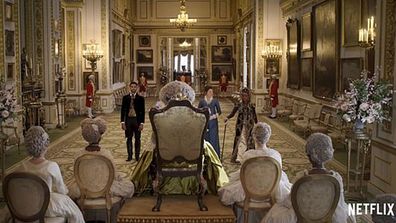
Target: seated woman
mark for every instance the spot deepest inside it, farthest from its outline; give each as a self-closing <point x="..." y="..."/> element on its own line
<point x="37" y="141"/>
<point x="233" y="192"/>
<point x="92" y="131"/>
<point x="144" y="172"/>
<point x="319" y="149"/>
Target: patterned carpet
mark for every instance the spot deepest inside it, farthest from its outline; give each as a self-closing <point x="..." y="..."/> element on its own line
<point x="287" y="143"/>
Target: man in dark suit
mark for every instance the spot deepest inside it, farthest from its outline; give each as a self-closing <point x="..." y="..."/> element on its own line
<point x="132" y="119"/>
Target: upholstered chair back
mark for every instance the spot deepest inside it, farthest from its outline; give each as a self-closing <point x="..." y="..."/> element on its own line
<point x="260" y="177"/>
<point x="179" y="130"/>
<point x="27" y="196"/>
<point x="94" y="175"/>
<point x="315" y="197"/>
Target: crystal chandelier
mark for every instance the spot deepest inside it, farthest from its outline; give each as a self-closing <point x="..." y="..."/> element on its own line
<point x="182" y="22"/>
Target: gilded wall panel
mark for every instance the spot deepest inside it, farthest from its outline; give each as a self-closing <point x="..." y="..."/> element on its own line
<point x="39" y="40"/>
<point x="104" y="43"/>
<point x="70" y="53"/>
<point x="390" y="33"/>
<point x="260" y="45"/>
<point x="2" y="69"/>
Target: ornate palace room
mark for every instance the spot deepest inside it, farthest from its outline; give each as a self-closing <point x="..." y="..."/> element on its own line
<point x="271" y="111"/>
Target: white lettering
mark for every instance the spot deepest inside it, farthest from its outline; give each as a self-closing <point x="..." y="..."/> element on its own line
<point x="390" y="211"/>
<point x="359" y="209"/>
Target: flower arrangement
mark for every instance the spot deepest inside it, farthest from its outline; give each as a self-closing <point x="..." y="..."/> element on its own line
<point x="366" y="100"/>
<point x="8" y="102"/>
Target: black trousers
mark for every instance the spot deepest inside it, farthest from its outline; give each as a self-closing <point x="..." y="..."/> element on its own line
<point x="132" y="129"/>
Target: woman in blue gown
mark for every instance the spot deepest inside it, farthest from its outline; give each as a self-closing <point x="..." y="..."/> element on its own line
<point x="212" y="135"/>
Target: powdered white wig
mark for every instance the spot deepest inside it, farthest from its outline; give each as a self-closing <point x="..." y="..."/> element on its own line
<point x="319" y="147"/>
<point x="176" y="90"/>
<point x="36" y="140"/>
<point x="93" y="129"/>
<point x="261" y="133"/>
<point x="384" y="199"/>
<point x="91" y="77"/>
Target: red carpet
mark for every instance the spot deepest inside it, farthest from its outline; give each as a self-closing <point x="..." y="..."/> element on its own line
<point x="178" y="209"/>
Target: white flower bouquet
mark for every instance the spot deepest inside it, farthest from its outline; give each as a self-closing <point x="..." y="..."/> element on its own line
<point x="8" y="102"/>
<point x="366" y="100"/>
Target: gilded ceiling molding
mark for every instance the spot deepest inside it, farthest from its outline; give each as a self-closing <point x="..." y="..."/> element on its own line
<point x="2" y="59"/>
<point x="70" y="56"/>
<point x="390" y="39"/>
<point x="72" y="3"/>
<point x="120" y="19"/>
<point x="104" y="43"/>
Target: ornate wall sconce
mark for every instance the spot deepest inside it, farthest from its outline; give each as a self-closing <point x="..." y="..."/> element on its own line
<point x="93" y="53"/>
<point x="272" y="53"/>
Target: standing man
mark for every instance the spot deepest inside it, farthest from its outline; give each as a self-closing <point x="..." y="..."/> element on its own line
<point x="273" y="92"/>
<point x="90" y="95"/>
<point x="132" y="119"/>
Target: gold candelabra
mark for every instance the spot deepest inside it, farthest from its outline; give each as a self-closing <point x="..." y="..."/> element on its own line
<point x="93" y="54"/>
<point x="367" y="39"/>
<point x="182" y="21"/>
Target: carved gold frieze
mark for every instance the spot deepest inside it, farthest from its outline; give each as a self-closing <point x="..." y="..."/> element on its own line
<point x="17" y="51"/>
<point x="390" y="33"/>
<point x="2" y="70"/>
<point x="104" y="43"/>
<point x="70" y="45"/>
<point x="39" y="40"/>
<point x="260" y="45"/>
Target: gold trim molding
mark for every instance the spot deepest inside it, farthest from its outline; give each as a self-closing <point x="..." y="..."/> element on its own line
<point x="390" y="39"/>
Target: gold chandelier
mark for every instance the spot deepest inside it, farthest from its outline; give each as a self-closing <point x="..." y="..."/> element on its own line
<point x="182" y="22"/>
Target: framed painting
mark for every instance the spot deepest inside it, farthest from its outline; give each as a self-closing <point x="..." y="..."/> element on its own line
<point x="217" y="70"/>
<point x="85" y="80"/>
<point x="306" y="34"/>
<point x="8" y="11"/>
<point x="306" y="73"/>
<point x="10" y="71"/>
<point x="9" y="43"/>
<point x="350" y="70"/>
<point x="221" y="54"/>
<point x="221" y="40"/>
<point x="325" y="52"/>
<point x="293" y="54"/>
<point x="147" y="71"/>
<point x="144" y="56"/>
<point x="144" y="41"/>
<point x="351" y="21"/>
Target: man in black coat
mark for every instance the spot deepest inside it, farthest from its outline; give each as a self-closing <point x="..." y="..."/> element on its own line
<point x="132" y="119"/>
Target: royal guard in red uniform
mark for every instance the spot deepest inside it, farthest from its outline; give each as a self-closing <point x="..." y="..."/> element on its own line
<point x="273" y="92"/>
<point x="142" y="85"/>
<point x="223" y="82"/>
<point x="90" y="95"/>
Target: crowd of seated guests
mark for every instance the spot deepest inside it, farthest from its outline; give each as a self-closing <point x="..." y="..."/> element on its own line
<point x="319" y="150"/>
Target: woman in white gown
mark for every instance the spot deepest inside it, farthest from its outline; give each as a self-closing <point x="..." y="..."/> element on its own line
<point x="319" y="149"/>
<point x="233" y="192"/>
<point x="92" y="131"/>
<point x="37" y="141"/>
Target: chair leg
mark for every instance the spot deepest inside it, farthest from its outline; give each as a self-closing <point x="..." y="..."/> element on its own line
<point x="157" y="206"/>
<point x="245" y="216"/>
<point x="109" y="215"/>
<point x="201" y="193"/>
